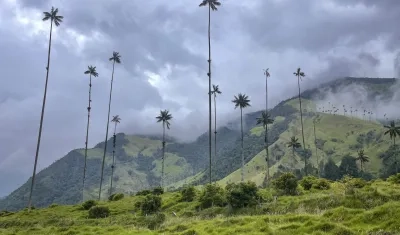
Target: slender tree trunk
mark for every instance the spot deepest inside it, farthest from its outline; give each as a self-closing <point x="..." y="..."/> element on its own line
<point x="316" y="149"/>
<point x="241" y="128"/>
<point x="113" y="158"/>
<point x="209" y="87"/>
<point x="163" y="157"/>
<point x="108" y="123"/>
<point x="41" y="121"/>
<point x="266" y="126"/>
<point x="294" y="159"/>
<point x="87" y="136"/>
<point x="215" y="128"/>
<point x="302" y="128"/>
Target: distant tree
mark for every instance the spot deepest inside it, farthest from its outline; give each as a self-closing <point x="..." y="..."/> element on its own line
<point x="116" y="58"/>
<point x="362" y="158"/>
<point x="116" y="119"/>
<point x="348" y="166"/>
<point x="393" y="131"/>
<point x="212" y="5"/>
<point x="92" y="72"/>
<point x="215" y="91"/>
<point x="265" y="119"/>
<point x="299" y="74"/>
<point x="331" y="170"/>
<point x="164" y="117"/>
<point x="56" y="19"/>
<point x="293" y="144"/>
<point x="242" y="101"/>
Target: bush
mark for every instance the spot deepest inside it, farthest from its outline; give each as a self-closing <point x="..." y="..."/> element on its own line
<point x="53" y="205"/>
<point x="188" y="194"/>
<point x="321" y="184"/>
<point x="97" y="212"/>
<point x="151" y="204"/>
<point x="395" y="179"/>
<point x="307" y="182"/>
<point x="89" y="204"/>
<point x="212" y="195"/>
<point x="354" y="182"/>
<point x="152" y="222"/>
<point x="286" y="183"/>
<point x="143" y="192"/>
<point x="116" y="197"/>
<point x="242" y="194"/>
<point x="158" y="191"/>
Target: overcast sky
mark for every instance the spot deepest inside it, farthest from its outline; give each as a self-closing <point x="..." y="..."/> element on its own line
<point x="163" y="45"/>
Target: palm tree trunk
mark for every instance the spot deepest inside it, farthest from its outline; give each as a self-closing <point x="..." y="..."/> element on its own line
<point x="113" y="158"/>
<point x="108" y="122"/>
<point x="163" y="157"/>
<point x="215" y="128"/>
<point x="316" y="149"/>
<point x="294" y="159"/>
<point x="41" y="120"/>
<point x="209" y="86"/>
<point x="87" y="136"/>
<point x="241" y="128"/>
<point x="302" y="129"/>
<point x="266" y="126"/>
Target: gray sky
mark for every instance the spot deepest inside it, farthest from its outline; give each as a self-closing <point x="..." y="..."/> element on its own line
<point x="163" y="45"/>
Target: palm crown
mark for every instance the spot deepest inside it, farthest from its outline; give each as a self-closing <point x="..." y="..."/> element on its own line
<point x="92" y="71"/>
<point x="241" y="101"/>
<point x="164" y="117"/>
<point x="294" y="143"/>
<point x="212" y="3"/>
<point x="265" y="119"/>
<point x="215" y="90"/>
<point x="361" y="156"/>
<point x="116" y="119"/>
<point x="393" y="130"/>
<point x="116" y="57"/>
<point x="266" y="73"/>
<point x="52" y="15"/>
<point x="299" y="73"/>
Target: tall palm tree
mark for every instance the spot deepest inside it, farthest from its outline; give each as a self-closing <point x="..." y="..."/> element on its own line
<point x="164" y="117"/>
<point x="299" y="74"/>
<point x="242" y="101"/>
<point x="212" y="5"/>
<point x="215" y="91"/>
<point x="362" y="158"/>
<point x="393" y="131"/>
<point x="56" y="19"/>
<point x="115" y="58"/>
<point x="265" y="119"/>
<point x="92" y="72"/>
<point x="116" y="119"/>
<point x="294" y="144"/>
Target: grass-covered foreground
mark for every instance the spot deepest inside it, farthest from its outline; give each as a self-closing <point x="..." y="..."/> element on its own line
<point x="351" y="206"/>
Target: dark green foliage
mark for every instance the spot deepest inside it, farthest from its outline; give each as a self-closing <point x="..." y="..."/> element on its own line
<point x="307" y="182"/>
<point x="348" y="166"/>
<point x="53" y="205"/>
<point x="98" y="212"/>
<point x="242" y="194"/>
<point x="321" y="184"/>
<point x="331" y="171"/>
<point x="158" y="191"/>
<point x="143" y="192"/>
<point x="212" y="195"/>
<point x="188" y="194"/>
<point x="390" y="161"/>
<point x="152" y="222"/>
<point x="286" y="184"/>
<point x="354" y="182"/>
<point x="89" y="204"/>
<point x="395" y="179"/>
<point x="151" y="204"/>
<point x="116" y="197"/>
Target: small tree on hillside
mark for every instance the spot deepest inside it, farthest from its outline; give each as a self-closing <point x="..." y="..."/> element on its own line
<point x="362" y="158"/>
<point x="293" y="144"/>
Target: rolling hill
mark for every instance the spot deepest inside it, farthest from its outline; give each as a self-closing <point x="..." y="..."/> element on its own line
<point x="138" y="157"/>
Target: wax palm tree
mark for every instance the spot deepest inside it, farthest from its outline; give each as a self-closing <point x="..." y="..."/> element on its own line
<point x="92" y="72"/>
<point x="56" y="20"/>
<point x="265" y="119"/>
<point x="215" y="91"/>
<point x="164" y="117"/>
<point x="393" y="131"/>
<point x="242" y="101"/>
<point x="212" y="5"/>
<point x="116" y="59"/>
<point x="293" y="144"/>
<point x="116" y="119"/>
<point x="299" y="74"/>
<point x="362" y="158"/>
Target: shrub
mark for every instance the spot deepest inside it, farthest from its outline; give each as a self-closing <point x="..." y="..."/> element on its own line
<point x="212" y="195"/>
<point x="286" y="183"/>
<point x="151" y="204"/>
<point x="322" y="184"/>
<point x="53" y="205"/>
<point x="242" y="194"/>
<point x="152" y="222"/>
<point x="158" y="191"/>
<point x="307" y="182"/>
<point x="188" y="194"/>
<point x="395" y="179"/>
<point x="116" y="197"/>
<point x="97" y="212"/>
<point x="89" y="204"/>
<point x="143" y="192"/>
<point x="354" y="182"/>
